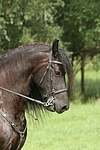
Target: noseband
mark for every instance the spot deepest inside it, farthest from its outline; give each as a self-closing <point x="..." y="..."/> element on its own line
<point x="52" y="92"/>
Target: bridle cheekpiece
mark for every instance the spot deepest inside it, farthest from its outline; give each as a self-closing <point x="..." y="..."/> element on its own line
<point x="51" y="95"/>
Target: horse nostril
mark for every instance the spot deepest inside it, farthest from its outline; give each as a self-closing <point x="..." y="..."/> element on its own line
<point x="64" y="108"/>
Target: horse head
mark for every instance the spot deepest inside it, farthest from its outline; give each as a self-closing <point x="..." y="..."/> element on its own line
<point x="50" y="80"/>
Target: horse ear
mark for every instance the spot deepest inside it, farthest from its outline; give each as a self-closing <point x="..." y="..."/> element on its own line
<point x="55" y="47"/>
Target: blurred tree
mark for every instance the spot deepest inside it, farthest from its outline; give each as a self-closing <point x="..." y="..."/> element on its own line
<point x="41" y="26"/>
<point x="23" y="21"/>
<point x="80" y="21"/>
<point x="11" y="22"/>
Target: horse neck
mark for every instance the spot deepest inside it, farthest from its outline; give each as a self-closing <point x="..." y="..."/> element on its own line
<point x="17" y="71"/>
<point x="16" y="75"/>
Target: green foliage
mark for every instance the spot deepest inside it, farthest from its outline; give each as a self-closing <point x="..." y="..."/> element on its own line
<point x="80" y="25"/>
<point x="80" y="21"/>
<point x="12" y="22"/>
<point x="27" y="21"/>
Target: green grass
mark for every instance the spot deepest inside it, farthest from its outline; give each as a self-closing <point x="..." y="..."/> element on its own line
<point x="76" y="129"/>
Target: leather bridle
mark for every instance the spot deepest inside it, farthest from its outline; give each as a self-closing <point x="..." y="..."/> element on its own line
<point x="50" y="96"/>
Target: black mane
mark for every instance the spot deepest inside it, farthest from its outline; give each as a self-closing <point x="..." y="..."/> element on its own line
<point x="68" y="70"/>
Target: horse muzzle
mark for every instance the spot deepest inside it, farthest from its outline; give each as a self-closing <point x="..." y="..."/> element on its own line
<point x="59" y="106"/>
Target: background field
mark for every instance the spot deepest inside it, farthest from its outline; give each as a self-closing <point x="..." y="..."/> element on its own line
<point x="76" y="129"/>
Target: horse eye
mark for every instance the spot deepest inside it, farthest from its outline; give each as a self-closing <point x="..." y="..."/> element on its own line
<point x="58" y="72"/>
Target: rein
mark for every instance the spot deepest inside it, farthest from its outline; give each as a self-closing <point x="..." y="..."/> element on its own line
<point x="21" y="95"/>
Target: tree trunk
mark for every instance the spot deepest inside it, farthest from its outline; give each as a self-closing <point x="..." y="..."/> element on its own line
<point x="82" y="75"/>
<point x="72" y="60"/>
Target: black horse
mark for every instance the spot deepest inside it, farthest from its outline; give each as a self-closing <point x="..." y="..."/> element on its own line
<point x="31" y="75"/>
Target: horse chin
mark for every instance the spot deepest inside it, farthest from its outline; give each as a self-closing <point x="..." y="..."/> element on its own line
<point x="50" y="108"/>
<point x="53" y="109"/>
